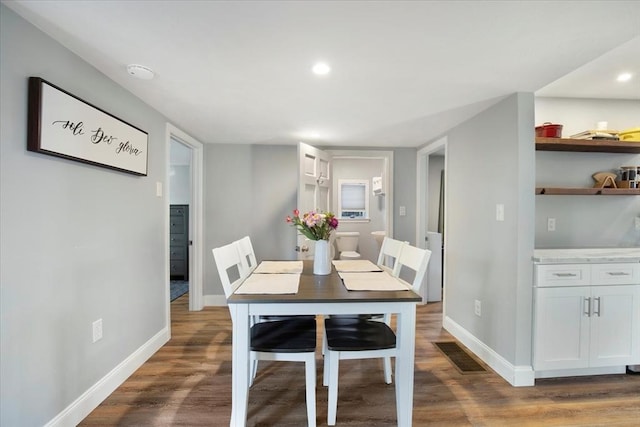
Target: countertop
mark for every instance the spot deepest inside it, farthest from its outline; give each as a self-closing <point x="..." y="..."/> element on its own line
<point x="586" y="255"/>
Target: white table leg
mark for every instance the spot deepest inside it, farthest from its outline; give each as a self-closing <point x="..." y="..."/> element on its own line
<point x="405" y="340"/>
<point x="240" y="364"/>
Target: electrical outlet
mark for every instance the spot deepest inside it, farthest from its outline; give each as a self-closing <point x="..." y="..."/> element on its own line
<point x="403" y="210"/>
<point x="551" y="224"/>
<point x="97" y="330"/>
<point x="499" y="212"/>
<point x="478" y="308"/>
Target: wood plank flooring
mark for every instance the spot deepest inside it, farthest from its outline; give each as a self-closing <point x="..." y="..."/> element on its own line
<point x="188" y="383"/>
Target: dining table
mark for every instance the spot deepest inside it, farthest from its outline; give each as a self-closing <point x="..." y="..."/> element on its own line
<point x="323" y="295"/>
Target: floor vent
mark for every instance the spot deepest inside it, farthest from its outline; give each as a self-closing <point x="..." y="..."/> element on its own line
<point x="464" y="363"/>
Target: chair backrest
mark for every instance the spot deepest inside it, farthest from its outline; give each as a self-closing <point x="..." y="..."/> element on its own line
<point x="415" y="259"/>
<point x="389" y="253"/>
<point x="229" y="266"/>
<point x="247" y="256"/>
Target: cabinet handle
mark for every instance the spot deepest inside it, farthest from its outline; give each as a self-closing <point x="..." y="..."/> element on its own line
<point x="586" y="305"/>
<point x="596" y="311"/>
<point x="617" y="273"/>
<point x="565" y="274"/>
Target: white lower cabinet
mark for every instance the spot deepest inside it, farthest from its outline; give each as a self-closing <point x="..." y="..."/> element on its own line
<point x="586" y="316"/>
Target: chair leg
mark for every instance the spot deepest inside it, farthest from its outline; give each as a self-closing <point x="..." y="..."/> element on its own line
<point x="254" y="371"/>
<point x="327" y="364"/>
<point x="387" y="370"/>
<point x="310" y="369"/>
<point x="332" y="402"/>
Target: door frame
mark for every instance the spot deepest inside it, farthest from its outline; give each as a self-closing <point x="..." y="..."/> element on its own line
<point x="422" y="201"/>
<point x="195" y="218"/>
<point x="387" y="157"/>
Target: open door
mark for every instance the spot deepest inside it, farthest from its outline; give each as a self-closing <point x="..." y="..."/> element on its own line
<point x="314" y="189"/>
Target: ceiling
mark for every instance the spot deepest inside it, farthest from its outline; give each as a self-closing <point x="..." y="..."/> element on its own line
<point x="402" y="73"/>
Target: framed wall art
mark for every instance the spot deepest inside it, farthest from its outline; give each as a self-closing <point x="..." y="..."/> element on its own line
<point x="63" y="125"/>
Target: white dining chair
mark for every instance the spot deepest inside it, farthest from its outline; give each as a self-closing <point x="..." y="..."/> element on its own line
<point x="291" y="340"/>
<point x="389" y="253"/>
<point x="248" y="258"/>
<point x="357" y="338"/>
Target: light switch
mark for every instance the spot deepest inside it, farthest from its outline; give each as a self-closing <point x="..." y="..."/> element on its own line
<point x="551" y="224"/>
<point x="499" y="212"/>
<point x="159" y="189"/>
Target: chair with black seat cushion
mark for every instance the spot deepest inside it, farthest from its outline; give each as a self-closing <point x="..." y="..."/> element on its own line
<point x="292" y="340"/>
<point x="389" y="253"/>
<point x="358" y="338"/>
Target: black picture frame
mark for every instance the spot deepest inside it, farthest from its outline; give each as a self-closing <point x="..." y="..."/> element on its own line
<point x="61" y="124"/>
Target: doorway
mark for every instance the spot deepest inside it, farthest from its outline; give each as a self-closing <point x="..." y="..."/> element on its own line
<point x="184" y="182"/>
<point x="431" y="207"/>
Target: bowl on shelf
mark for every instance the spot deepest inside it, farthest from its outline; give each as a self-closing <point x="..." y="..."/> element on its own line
<point x="549" y="130"/>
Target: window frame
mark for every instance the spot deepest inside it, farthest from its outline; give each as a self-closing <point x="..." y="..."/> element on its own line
<point x="366" y="211"/>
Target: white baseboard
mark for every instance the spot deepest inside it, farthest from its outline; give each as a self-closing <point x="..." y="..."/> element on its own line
<point x="609" y="370"/>
<point x="517" y="376"/>
<point x="89" y="400"/>
<point x="215" y="301"/>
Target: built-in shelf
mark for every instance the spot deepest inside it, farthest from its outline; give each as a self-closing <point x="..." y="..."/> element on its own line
<point x="587" y="145"/>
<point x="551" y="191"/>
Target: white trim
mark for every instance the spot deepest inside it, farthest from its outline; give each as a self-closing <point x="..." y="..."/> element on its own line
<point x="195" y="218"/>
<point x="517" y="376"/>
<point x="215" y="301"/>
<point x="608" y="370"/>
<point x="89" y="400"/>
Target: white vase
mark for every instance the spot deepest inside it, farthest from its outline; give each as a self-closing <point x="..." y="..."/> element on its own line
<point x="321" y="258"/>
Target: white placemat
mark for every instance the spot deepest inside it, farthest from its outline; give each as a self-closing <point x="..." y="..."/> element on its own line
<point x="355" y="265"/>
<point x="279" y="267"/>
<point x="270" y="284"/>
<point x="372" y="281"/>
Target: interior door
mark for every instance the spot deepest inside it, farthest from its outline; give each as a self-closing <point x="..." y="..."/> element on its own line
<point x="314" y="189"/>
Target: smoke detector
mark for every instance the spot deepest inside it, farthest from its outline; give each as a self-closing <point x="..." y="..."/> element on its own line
<point x="140" y="71"/>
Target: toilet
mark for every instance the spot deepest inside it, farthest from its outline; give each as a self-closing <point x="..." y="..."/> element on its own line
<point x="347" y="243"/>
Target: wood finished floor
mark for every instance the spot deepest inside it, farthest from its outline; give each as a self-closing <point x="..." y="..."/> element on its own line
<point x="188" y="383"/>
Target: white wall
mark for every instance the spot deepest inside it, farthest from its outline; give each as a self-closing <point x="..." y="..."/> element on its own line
<point x="362" y="169"/>
<point x="491" y="161"/>
<point x="585" y="221"/>
<point x="179" y="185"/>
<point x="79" y="242"/>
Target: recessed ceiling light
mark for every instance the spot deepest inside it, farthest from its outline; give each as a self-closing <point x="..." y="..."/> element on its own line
<point x="624" y="77"/>
<point x="321" y="69"/>
<point x="140" y="71"/>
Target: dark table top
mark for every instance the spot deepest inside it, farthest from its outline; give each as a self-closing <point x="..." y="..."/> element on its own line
<point x="329" y="288"/>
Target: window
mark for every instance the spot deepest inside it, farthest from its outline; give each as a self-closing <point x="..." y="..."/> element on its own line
<point x="353" y="199"/>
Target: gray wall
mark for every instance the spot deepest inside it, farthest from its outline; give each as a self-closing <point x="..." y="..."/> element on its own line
<point x="585" y="221"/>
<point x="436" y="165"/>
<point x="250" y="189"/>
<point x="491" y="161"/>
<point x="79" y="242"/>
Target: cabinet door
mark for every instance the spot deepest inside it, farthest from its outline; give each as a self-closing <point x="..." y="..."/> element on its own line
<point x="561" y="336"/>
<point x="615" y="325"/>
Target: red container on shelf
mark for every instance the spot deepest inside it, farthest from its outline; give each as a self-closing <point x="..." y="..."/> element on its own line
<point x="549" y="130"/>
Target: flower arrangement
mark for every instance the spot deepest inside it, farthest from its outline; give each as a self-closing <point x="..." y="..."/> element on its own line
<point x="314" y="225"/>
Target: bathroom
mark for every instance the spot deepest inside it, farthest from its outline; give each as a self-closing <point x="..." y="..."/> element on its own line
<point x="361" y="170"/>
